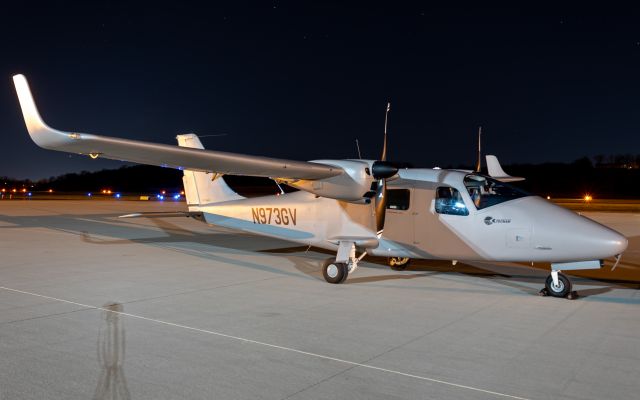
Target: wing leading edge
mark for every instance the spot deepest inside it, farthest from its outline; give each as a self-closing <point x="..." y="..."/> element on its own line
<point x="161" y="154"/>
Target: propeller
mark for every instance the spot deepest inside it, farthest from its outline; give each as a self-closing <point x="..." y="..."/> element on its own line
<point x="479" y="163"/>
<point x="381" y="170"/>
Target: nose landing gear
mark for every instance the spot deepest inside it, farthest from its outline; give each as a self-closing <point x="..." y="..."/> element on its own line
<point x="558" y="285"/>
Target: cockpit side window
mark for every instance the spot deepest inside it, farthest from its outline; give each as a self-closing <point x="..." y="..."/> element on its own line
<point x="486" y="192"/>
<point x="449" y="201"/>
<point x="398" y="199"/>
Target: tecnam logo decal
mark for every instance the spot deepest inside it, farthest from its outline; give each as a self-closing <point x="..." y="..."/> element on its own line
<point x="491" y="220"/>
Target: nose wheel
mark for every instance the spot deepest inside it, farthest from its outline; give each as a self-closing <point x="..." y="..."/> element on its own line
<point x="558" y="285"/>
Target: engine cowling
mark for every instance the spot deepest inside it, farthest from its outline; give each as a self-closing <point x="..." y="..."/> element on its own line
<point x="355" y="185"/>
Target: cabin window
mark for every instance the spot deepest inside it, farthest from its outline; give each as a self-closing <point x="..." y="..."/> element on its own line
<point x="398" y="199"/>
<point x="486" y="192"/>
<point x="449" y="201"/>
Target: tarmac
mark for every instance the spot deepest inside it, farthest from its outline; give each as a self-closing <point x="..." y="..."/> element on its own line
<point x="97" y="307"/>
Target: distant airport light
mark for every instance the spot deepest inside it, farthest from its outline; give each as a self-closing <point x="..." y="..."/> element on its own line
<point x="24" y="190"/>
<point x="117" y="195"/>
<point x="182" y="193"/>
<point x="13" y="190"/>
<point x="548" y="197"/>
<point x="164" y="192"/>
<point x="176" y="197"/>
<point x="50" y="190"/>
<point x="88" y="194"/>
<point x="587" y="197"/>
<point x="108" y="191"/>
<point x="4" y="190"/>
<point x="29" y="194"/>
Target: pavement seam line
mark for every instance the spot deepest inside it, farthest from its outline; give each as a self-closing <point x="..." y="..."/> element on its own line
<point x="273" y="346"/>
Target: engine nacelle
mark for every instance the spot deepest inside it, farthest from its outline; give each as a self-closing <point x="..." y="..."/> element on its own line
<point x="354" y="185"/>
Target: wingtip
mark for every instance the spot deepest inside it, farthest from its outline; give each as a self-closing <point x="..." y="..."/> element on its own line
<point x="40" y="132"/>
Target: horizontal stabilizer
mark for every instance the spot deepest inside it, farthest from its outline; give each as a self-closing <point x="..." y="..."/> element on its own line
<point x="496" y="172"/>
<point x="161" y="154"/>
<point x="158" y="215"/>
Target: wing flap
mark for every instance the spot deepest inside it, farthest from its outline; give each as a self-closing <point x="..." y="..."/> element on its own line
<point x="161" y="154"/>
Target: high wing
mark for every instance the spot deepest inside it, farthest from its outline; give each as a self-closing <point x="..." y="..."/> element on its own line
<point x="161" y="154"/>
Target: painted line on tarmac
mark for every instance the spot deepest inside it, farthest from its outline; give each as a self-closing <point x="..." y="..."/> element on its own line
<point x="273" y="346"/>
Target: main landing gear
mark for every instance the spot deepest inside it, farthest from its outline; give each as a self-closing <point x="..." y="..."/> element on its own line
<point x="558" y="285"/>
<point x="336" y="270"/>
<point x="398" y="263"/>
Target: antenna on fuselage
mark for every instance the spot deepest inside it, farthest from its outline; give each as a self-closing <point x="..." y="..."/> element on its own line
<point x="358" y="147"/>
<point x="479" y="163"/>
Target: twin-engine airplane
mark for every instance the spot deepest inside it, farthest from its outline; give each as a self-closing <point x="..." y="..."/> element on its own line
<point x="358" y="207"/>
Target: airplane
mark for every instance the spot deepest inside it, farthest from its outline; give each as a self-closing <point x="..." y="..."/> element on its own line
<point x="358" y="207"/>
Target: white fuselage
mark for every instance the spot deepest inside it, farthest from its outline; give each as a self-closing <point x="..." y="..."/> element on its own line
<point x="526" y="229"/>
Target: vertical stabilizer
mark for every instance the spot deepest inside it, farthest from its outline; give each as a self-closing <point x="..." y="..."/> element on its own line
<point x="203" y="188"/>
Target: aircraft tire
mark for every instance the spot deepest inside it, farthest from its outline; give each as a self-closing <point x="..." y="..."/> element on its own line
<point x="398" y="263"/>
<point x="563" y="288"/>
<point x="334" y="272"/>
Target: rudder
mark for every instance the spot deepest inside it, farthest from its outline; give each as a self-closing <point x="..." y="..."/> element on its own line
<point x="203" y="188"/>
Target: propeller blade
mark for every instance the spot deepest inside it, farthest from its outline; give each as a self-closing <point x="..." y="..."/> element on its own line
<point x="381" y="205"/>
<point x="384" y="145"/>
<point x="479" y="163"/>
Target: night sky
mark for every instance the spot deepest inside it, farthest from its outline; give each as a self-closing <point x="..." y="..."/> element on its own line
<point x="303" y="81"/>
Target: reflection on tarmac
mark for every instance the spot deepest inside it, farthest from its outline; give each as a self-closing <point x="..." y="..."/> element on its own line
<point x="111" y="344"/>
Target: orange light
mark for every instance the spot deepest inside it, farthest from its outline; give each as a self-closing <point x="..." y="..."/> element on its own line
<point x="4" y="190"/>
<point x="24" y="190"/>
<point x="13" y="190"/>
<point x="50" y="190"/>
<point x="182" y="193"/>
<point x="548" y="197"/>
<point x="587" y="197"/>
<point x="108" y="191"/>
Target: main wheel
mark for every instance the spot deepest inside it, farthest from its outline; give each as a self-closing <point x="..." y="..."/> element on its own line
<point x="563" y="288"/>
<point x="334" y="272"/>
<point x="398" y="263"/>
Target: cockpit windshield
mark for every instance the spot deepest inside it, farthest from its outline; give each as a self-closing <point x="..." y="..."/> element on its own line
<point x="486" y="192"/>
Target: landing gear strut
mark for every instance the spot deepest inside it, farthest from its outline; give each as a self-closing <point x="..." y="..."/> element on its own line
<point x="558" y="285"/>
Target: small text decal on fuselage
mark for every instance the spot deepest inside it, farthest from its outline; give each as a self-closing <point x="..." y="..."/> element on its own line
<point x="491" y="220"/>
<point x="274" y="215"/>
